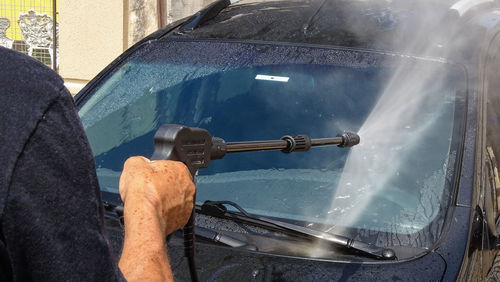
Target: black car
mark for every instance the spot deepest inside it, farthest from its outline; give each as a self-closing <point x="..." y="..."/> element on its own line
<point x="419" y="82"/>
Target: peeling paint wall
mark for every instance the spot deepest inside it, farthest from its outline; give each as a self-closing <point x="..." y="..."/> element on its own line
<point x="142" y="19"/>
<point x="178" y="9"/>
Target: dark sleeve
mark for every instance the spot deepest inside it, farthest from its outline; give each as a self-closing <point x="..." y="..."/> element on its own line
<point x="53" y="218"/>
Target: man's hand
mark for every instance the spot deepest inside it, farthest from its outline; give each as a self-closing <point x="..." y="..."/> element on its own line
<point x="158" y="199"/>
<point x="165" y="186"/>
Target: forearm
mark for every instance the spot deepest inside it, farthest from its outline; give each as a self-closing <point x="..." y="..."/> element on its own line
<point x="144" y="256"/>
<point x="158" y="199"/>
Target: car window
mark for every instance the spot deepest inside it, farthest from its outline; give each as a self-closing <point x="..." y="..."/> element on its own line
<point x="407" y="111"/>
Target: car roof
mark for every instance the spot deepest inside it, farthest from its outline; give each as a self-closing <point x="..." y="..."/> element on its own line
<point x="371" y="24"/>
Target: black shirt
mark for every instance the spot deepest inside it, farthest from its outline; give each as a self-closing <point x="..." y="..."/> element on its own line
<point x="50" y="206"/>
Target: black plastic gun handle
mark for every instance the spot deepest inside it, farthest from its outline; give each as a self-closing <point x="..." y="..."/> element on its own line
<point x="189" y="145"/>
<point x="192" y="147"/>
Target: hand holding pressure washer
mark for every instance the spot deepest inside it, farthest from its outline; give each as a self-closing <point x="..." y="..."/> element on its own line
<point x="195" y="147"/>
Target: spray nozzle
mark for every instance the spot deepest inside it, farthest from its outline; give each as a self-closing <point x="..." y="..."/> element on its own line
<point x="349" y="139"/>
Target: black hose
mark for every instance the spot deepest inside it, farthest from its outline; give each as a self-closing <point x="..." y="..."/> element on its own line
<point x="189" y="251"/>
<point x="192" y="269"/>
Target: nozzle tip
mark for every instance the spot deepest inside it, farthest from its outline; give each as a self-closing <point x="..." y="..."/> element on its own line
<point x="349" y="139"/>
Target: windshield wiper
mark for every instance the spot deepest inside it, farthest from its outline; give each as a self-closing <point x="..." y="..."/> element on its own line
<point x="217" y="209"/>
<point x="223" y="239"/>
<point x="205" y="233"/>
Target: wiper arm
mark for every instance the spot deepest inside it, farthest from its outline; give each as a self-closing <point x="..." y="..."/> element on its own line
<point x="222" y="238"/>
<point x="217" y="209"/>
<point x="199" y="231"/>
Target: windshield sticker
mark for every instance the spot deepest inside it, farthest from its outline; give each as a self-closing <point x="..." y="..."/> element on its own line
<point x="272" y="78"/>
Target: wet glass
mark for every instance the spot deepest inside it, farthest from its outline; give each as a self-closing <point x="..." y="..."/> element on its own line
<point x="408" y="113"/>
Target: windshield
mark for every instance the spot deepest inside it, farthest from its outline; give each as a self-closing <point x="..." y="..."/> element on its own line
<point x="407" y="112"/>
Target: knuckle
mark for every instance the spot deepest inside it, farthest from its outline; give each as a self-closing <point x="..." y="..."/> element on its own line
<point x="134" y="160"/>
<point x="166" y="165"/>
<point x="180" y="169"/>
<point x="185" y="170"/>
<point x="179" y="165"/>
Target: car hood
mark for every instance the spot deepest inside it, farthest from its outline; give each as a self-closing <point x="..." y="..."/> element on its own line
<point x="220" y="263"/>
<point x="216" y="263"/>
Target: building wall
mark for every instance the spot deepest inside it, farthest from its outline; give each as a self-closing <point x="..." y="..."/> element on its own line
<point x="178" y="9"/>
<point x="94" y="33"/>
<point x="142" y="19"/>
<point x="91" y="35"/>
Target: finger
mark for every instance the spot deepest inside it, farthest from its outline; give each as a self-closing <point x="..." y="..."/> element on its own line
<point x="190" y="191"/>
<point x="121" y="188"/>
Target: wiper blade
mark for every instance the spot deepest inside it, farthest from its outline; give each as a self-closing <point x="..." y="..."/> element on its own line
<point x="217" y="209"/>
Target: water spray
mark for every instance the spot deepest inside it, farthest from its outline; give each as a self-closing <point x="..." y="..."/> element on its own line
<point x="195" y="147"/>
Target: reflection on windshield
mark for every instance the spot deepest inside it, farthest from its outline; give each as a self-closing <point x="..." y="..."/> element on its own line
<point x="260" y="92"/>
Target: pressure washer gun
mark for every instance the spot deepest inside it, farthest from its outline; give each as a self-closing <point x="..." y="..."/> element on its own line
<point x="195" y="147"/>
